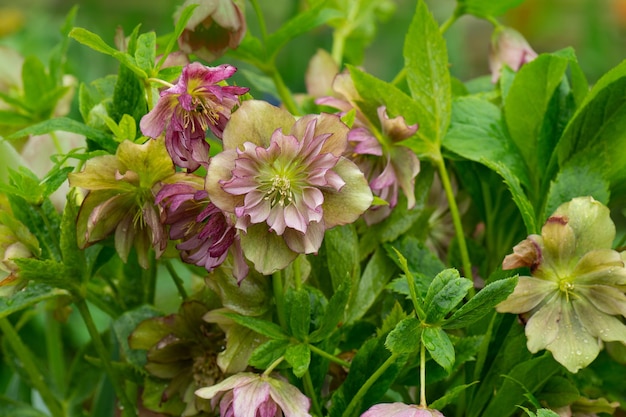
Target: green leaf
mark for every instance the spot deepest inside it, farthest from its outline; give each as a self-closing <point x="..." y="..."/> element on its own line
<point x="481" y="304"/>
<point x="48" y="272"/>
<point x="526" y="108"/>
<point x="333" y="314"/>
<point x="268" y="353"/>
<point x="41" y="220"/>
<point x="559" y="392"/>
<point x="406" y="337"/>
<point x="298" y="312"/>
<point x="33" y="294"/>
<point x="14" y="119"/>
<point x="299" y="357"/>
<point x="10" y="407"/>
<point x="128" y="96"/>
<point x="37" y="83"/>
<point x="73" y="257"/>
<point x="486" y="8"/>
<point x="426" y="61"/>
<point x="264" y="327"/>
<point x="445" y="292"/>
<point x="519" y="196"/>
<point x="450" y="396"/>
<point x="342" y="248"/>
<point x="124" y="325"/>
<point x="145" y="55"/>
<point x="66" y="124"/>
<point x="439" y="346"/>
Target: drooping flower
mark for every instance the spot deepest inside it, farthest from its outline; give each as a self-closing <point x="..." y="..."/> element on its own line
<point x="400" y="410"/>
<point x="285" y="181"/>
<point x="181" y="348"/>
<point x="577" y="285"/>
<point x="214" y="27"/>
<point x="187" y="110"/>
<point x="247" y="394"/>
<point x="121" y="198"/>
<point x="387" y="166"/>
<point x="508" y="47"/>
<point x="206" y="234"/>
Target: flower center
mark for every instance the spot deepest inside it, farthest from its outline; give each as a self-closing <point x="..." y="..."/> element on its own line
<point x="278" y="190"/>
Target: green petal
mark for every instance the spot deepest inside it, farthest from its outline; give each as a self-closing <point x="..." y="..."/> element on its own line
<point x="150" y="160"/>
<point x="604" y="266"/>
<point x="528" y="293"/>
<point x="326" y="123"/>
<point x="559" y="245"/>
<point x="605" y="298"/>
<point x="266" y="250"/>
<point x="220" y="169"/>
<point x="599" y="324"/>
<point x="543" y="327"/>
<point x="255" y="121"/>
<point x="99" y="174"/>
<point x="346" y="205"/>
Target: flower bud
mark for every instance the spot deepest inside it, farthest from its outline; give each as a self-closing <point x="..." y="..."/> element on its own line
<point x="508" y="47"/>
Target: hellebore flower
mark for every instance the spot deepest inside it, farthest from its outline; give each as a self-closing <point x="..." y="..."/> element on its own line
<point x="508" y="47"/>
<point x="400" y="410"/>
<point x="121" y="198"/>
<point x="247" y="394"/>
<point x="285" y="181"/>
<point x="206" y="234"/>
<point x="577" y="284"/>
<point x="191" y="107"/>
<point x="181" y="348"/>
<point x="387" y="166"/>
<point x="214" y="27"/>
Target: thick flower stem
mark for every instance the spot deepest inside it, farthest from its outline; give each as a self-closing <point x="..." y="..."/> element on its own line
<point x="28" y="362"/>
<point x="129" y="408"/>
<point x="279" y="297"/>
<point x="456" y="219"/>
<point x="328" y="356"/>
<point x="358" y="397"/>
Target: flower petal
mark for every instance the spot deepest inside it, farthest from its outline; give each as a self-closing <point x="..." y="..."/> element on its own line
<point x="266" y="250"/>
<point x="598" y="323"/>
<point x="527" y="295"/>
<point x="291" y="401"/>
<point x="229" y="383"/>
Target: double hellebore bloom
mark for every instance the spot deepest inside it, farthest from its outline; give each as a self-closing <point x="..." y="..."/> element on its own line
<point x="387" y="166"/>
<point x="121" y="198"/>
<point x="400" y="410"/>
<point x="205" y="233"/>
<point x="214" y="27"/>
<point x="508" y="47"/>
<point x="247" y="394"/>
<point x="187" y="110"/>
<point x="285" y="181"/>
<point x="577" y="285"/>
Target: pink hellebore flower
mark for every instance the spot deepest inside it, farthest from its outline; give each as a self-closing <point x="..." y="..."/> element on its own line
<point x="400" y="410"/>
<point x="285" y="181"/>
<point x="508" y="47"/>
<point x="191" y="107"/>
<point x="253" y="395"/>
<point x="206" y="234"/>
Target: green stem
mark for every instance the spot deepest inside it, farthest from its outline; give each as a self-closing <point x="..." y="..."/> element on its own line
<point x="456" y="219"/>
<point x="178" y="281"/>
<point x="57" y="144"/>
<point x="279" y="298"/>
<point x="328" y="356"/>
<point x="149" y="280"/>
<point x="27" y="359"/>
<point x="339" y="41"/>
<point x="128" y="406"/>
<point x="273" y="366"/>
<point x="400" y="77"/>
<point x="423" y="376"/>
<point x="356" y="400"/>
<point x="283" y="92"/>
<point x="297" y="273"/>
<point x="446" y="25"/>
<point x="310" y="391"/>
<point x="54" y="349"/>
<point x="259" y="15"/>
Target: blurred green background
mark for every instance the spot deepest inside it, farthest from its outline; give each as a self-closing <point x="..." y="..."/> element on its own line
<point x="594" y="28"/>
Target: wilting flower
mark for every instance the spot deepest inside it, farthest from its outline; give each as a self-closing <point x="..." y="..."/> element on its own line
<point x="285" y="181"/>
<point x="214" y="27"/>
<point x="577" y="284"/>
<point x="191" y="107"/>
<point x="181" y="348"/>
<point x="121" y="198"/>
<point x="387" y="166"/>
<point x="206" y="234"/>
<point x="248" y="394"/>
<point x="400" y="410"/>
<point x="508" y="47"/>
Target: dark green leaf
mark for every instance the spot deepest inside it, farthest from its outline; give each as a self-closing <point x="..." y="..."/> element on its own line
<point x="268" y="353"/>
<point x="482" y="303"/>
<point x="342" y="248"/>
<point x="34" y="293"/>
<point x="128" y="96"/>
<point x="48" y="272"/>
<point x="55" y="179"/>
<point x="445" y="292"/>
<point x="10" y="407"/>
<point x="450" y="396"/>
<point x="439" y="346"/>
<point x="333" y="314"/>
<point x="36" y="82"/>
<point x="298" y="312"/>
<point x="264" y="327"/>
<point x="299" y="357"/>
<point x="73" y="257"/>
<point x="406" y="337"/>
<point x="559" y="392"/>
<point x="41" y="220"/>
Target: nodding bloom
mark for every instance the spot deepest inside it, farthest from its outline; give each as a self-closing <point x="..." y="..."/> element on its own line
<point x="508" y="47"/>
<point x="121" y="198"/>
<point x="247" y="394"/>
<point x="400" y="410"/>
<point x="214" y="27"/>
<point x="187" y="110"/>
<point x="576" y="287"/>
<point x="388" y="167"/>
<point x="205" y="232"/>
<point x="285" y="181"/>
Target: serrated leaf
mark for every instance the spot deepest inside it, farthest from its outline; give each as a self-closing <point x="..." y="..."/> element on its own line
<point x="438" y="344"/>
<point x="264" y="327"/>
<point x="333" y="314"/>
<point x="298" y="312"/>
<point x="481" y="304"/>
<point x="428" y="77"/>
<point x="145" y="54"/>
<point x="73" y="257"/>
<point x="36" y="82"/>
<point x="34" y="293"/>
<point x="405" y="337"/>
<point x="46" y="271"/>
<point x="445" y="292"/>
<point x="299" y="357"/>
<point x="268" y="353"/>
<point x="342" y="250"/>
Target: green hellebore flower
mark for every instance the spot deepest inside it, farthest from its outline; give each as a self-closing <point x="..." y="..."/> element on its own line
<point x="121" y="198"/>
<point x="577" y="285"/>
